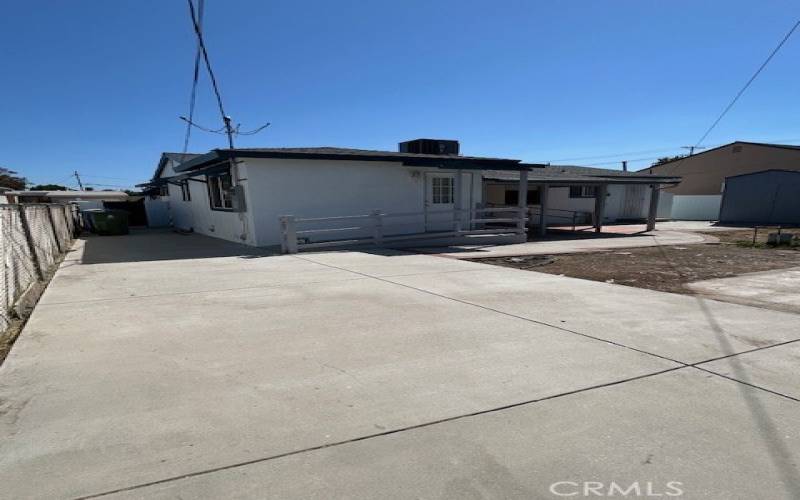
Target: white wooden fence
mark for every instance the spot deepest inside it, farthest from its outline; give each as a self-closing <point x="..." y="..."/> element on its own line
<point x="383" y="229"/>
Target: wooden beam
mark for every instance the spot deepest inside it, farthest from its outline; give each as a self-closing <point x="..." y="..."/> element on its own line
<point x="653" y="212"/>
<point x="544" y="192"/>
<point x="522" y="200"/>
<point x="600" y="206"/>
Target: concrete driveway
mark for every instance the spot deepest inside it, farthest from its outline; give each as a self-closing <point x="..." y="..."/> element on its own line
<point x="169" y="366"/>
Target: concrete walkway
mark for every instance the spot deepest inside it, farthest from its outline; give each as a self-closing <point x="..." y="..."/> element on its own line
<point x="167" y="366"/>
<point x="606" y="241"/>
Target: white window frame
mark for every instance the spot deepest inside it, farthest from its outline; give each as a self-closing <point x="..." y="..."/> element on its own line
<point x="224" y="196"/>
<point x="443" y="190"/>
<point x="186" y="194"/>
<point x="586" y="191"/>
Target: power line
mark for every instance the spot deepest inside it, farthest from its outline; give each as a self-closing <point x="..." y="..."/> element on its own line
<point x="616" y="155"/>
<point x="225" y="118"/>
<point x="746" y="85"/>
<point x="190" y="124"/>
<point x="195" y="77"/>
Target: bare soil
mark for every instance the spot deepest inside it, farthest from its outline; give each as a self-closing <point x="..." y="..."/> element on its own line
<point x="664" y="268"/>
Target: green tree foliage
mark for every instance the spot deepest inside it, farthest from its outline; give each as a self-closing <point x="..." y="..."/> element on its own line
<point x="48" y="187"/>
<point x="10" y="179"/>
<point x="667" y="159"/>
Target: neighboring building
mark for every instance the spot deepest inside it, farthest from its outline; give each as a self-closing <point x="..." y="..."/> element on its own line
<point x="425" y="179"/>
<point x="572" y="193"/>
<point x="699" y="195"/>
<point x="767" y="197"/>
<point x="84" y="199"/>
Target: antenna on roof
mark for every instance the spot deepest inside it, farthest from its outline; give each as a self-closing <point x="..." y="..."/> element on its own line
<point x="78" y="178"/>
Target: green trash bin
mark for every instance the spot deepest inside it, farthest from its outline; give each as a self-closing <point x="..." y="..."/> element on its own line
<point x="109" y="222"/>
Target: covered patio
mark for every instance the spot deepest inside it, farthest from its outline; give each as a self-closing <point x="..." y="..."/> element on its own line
<point x="542" y="179"/>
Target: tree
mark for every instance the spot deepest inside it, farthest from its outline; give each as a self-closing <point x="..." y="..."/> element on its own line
<point x="48" y="187"/>
<point x="667" y="159"/>
<point x="9" y="179"/>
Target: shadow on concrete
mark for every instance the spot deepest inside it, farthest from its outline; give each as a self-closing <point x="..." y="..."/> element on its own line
<point x="774" y="441"/>
<point x="780" y="454"/>
<point x="159" y="244"/>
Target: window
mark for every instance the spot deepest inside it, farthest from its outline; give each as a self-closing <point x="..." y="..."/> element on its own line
<point x="582" y="191"/>
<point x="512" y="197"/>
<point x="163" y="190"/>
<point x="443" y="190"/>
<point x="186" y="194"/>
<point x="219" y="192"/>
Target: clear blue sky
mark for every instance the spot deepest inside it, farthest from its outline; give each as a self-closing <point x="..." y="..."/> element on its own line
<point x="98" y="85"/>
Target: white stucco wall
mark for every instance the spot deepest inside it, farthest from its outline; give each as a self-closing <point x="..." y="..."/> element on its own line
<point x="314" y="188"/>
<point x="196" y="215"/>
<point x="157" y="210"/>
<point x="327" y="188"/>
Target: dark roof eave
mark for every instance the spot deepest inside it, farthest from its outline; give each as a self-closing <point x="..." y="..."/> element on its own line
<point x="590" y="180"/>
<point x="220" y="155"/>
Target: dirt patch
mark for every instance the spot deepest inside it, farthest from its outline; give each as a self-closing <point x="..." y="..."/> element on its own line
<point x="745" y="237"/>
<point x="664" y="268"/>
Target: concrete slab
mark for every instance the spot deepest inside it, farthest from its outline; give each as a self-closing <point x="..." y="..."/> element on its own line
<point x="104" y="394"/>
<point x="775" y="368"/>
<point x="142" y="367"/>
<point x="778" y="289"/>
<point x="680" y="327"/>
<point x="76" y="282"/>
<point x="711" y="438"/>
<point x="385" y="262"/>
<point x="147" y="245"/>
<point x="572" y="245"/>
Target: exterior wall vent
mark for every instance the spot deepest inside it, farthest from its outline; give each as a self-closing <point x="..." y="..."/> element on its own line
<point x="429" y="147"/>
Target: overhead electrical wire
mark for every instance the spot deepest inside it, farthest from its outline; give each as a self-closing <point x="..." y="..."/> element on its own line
<point x="746" y="85"/>
<point x="211" y="76"/>
<point x="195" y="78"/>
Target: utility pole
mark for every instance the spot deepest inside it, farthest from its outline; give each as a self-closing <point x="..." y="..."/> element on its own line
<point x="692" y="148"/>
<point x="78" y="178"/>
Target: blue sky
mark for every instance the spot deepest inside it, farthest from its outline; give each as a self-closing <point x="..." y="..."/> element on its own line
<point x="98" y="86"/>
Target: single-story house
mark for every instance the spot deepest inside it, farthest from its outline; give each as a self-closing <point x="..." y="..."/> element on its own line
<point x="572" y="193"/>
<point x="766" y="197"/>
<point x="245" y="195"/>
<point x="84" y="199"/>
<point x="699" y="195"/>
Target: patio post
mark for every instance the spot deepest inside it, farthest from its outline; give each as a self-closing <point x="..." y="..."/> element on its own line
<point x="651" y="214"/>
<point x="457" y="200"/>
<point x="544" y="191"/>
<point x="522" y="201"/>
<point x="600" y="206"/>
<point x="288" y="234"/>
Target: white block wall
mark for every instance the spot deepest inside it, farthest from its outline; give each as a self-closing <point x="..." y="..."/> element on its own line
<point x="696" y="207"/>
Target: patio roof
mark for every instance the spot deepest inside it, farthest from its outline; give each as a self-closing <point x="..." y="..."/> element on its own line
<point x="571" y="175"/>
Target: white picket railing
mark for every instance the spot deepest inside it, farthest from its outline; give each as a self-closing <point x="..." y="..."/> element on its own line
<point x="379" y="229"/>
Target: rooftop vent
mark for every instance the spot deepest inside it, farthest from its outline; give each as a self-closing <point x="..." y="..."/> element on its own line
<point x="429" y="147"/>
